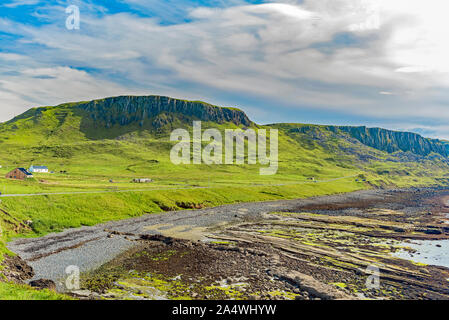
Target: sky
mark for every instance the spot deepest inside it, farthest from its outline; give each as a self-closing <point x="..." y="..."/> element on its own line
<point x="379" y="63"/>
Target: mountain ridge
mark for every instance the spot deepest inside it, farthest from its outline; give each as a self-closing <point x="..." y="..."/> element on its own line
<point x="390" y="141"/>
<point x="120" y="115"/>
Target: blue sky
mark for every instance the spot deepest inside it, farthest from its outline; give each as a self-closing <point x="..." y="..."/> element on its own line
<point x="346" y="62"/>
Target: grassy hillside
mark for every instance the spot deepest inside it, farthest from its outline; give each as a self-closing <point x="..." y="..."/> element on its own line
<point x="87" y="149"/>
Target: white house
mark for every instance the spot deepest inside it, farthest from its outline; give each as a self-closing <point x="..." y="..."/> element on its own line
<point x="144" y="180"/>
<point x="39" y="169"/>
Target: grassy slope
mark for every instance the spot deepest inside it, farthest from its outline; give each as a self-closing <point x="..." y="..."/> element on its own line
<point x="9" y="291"/>
<point x="54" y="138"/>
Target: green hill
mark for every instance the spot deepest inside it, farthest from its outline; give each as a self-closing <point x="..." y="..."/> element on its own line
<point x="111" y="118"/>
<point x="123" y="137"/>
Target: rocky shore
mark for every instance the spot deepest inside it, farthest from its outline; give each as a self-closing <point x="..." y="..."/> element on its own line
<point x="334" y="247"/>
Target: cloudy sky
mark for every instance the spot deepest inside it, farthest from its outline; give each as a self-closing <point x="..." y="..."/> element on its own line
<point x="357" y="62"/>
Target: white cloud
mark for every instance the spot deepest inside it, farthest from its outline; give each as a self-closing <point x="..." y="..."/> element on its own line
<point x="33" y="87"/>
<point x="287" y="52"/>
<point x="18" y="3"/>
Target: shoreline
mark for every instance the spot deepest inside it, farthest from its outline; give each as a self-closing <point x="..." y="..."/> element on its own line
<point x="91" y="247"/>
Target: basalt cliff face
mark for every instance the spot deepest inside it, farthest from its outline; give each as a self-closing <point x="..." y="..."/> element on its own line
<point x="392" y="141"/>
<point x="127" y="110"/>
<point x="386" y="140"/>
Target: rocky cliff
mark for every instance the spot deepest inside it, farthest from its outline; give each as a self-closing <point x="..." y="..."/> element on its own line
<point x="380" y="139"/>
<point x="127" y="110"/>
<point x="392" y="141"/>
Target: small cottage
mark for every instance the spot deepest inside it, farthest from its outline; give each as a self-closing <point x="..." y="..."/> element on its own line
<point x="19" y="174"/>
<point x="144" y="180"/>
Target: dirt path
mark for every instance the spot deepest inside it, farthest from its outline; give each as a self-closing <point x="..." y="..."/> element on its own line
<point x="21" y="195"/>
<point x="14" y="195"/>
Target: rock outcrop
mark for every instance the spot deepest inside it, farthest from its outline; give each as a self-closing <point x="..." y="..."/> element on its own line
<point x="127" y="110"/>
<point x="392" y="141"/>
<point x="385" y="140"/>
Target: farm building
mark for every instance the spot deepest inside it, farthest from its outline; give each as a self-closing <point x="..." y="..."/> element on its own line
<point x="19" y="174"/>
<point x="145" y="180"/>
<point x="38" y="169"/>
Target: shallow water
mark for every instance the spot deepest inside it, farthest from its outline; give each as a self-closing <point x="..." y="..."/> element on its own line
<point x="427" y="252"/>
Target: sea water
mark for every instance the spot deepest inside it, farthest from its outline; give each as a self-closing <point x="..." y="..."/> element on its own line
<point x="430" y="252"/>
